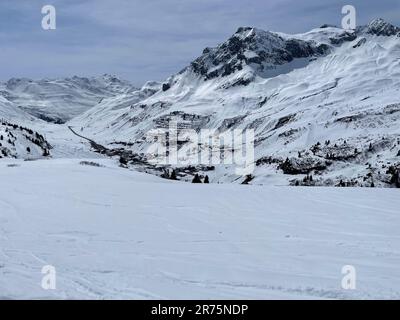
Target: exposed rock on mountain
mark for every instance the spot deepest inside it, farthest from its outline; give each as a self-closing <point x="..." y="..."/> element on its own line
<point x="380" y="27"/>
<point x="261" y="50"/>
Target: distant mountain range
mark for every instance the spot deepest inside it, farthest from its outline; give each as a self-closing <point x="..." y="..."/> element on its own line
<point x="59" y="100"/>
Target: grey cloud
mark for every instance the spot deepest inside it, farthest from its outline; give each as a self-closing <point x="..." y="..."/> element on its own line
<point x="145" y="40"/>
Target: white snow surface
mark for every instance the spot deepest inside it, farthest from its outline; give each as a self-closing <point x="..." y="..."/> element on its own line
<point x="114" y="233"/>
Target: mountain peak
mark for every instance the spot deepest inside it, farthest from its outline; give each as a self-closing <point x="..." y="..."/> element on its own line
<point x="244" y="29"/>
<point x="110" y="77"/>
<point x="380" y="27"/>
<point x="257" y="50"/>
<point x="327" y="25"/>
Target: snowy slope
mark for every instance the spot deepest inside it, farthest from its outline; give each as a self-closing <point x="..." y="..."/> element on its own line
<point x="20" y="142"/>
<point x="326" y="99"/>
<point x="9" y="112"/>
<point x="58" y="100"/>
<point x="114" y="233"/>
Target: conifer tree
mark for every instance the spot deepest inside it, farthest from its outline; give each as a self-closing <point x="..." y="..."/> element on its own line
<point x="196" y="179"/>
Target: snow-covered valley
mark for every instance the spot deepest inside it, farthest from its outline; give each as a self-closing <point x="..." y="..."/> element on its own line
<point x="323" y="105"/>
<point x="78" y="190"/>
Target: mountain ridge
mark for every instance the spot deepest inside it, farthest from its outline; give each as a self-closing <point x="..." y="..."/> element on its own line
<point x="59" y="100"/>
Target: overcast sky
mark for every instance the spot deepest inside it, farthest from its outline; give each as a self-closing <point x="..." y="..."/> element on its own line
<point x="149" y="39"/>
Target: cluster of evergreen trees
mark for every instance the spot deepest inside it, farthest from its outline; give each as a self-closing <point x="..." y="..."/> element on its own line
<point x="394" y="176"/>
<point x="173" y="176"/>
<point x="197" y="179"/>
<point x="170" y="176"/>
<point x="29" y="134"/>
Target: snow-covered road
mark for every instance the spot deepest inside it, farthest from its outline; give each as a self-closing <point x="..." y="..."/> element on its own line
<point x="114" y="233"/>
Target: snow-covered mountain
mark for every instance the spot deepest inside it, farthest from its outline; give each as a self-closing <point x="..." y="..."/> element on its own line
<point x="9" y="112"/>
<point x="324" y="103"/>
<point x="17" y="141"/>
<point x="59" y="100"/>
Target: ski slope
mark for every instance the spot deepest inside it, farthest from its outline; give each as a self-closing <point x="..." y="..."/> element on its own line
<point x="114" y="233"/>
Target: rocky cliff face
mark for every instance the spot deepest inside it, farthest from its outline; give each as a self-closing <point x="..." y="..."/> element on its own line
<point x="254" y="48"/>
<point x="380" y="27"/>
